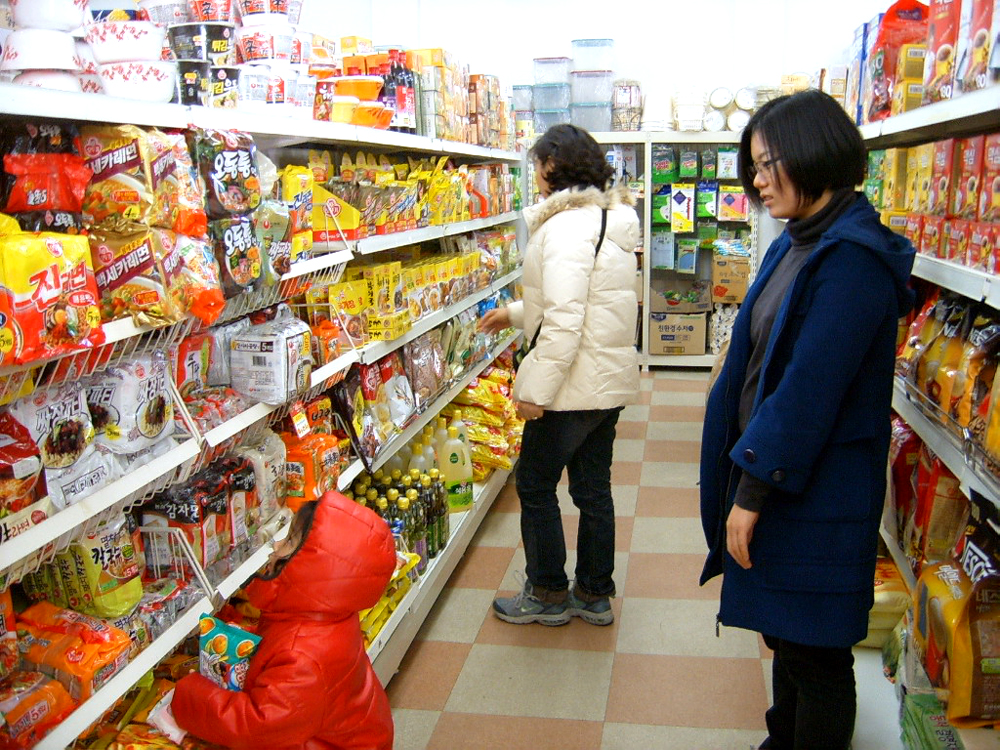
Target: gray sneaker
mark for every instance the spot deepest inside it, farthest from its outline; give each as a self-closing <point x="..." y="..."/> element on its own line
<point x="527" y="607"/>
<point x="593" y="609"/>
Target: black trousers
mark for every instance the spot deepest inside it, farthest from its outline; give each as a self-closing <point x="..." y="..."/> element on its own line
<point x="815" y="701"/>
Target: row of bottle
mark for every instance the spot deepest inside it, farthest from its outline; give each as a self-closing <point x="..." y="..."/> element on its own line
<point x="414" y="505"/>
<point x="398" y="91"/>
<point x="443" y="447"/>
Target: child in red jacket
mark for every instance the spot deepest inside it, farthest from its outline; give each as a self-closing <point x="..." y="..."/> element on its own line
<point x="310" y="685"/>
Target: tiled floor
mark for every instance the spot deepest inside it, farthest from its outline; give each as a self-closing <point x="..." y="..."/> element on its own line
<point x="657" y="678"/>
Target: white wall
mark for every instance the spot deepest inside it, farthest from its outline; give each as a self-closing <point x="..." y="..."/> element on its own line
<point x="667" y="45"/>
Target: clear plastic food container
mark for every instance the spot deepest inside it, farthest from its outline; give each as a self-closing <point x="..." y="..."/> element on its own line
<point x="546" y="118"/>
<point x="523" y="99"/>
<point x="551" y="95"/>
<point x="593" y="54"/>
<point x="590" y="86"/>
<point x="594" y="117"/>
<point x="552" y="70"/>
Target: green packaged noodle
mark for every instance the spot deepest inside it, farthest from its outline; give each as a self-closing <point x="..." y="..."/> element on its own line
<point x="107" y="570"/>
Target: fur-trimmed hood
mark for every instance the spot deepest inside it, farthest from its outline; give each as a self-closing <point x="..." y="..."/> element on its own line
<point x="623" y="225"/>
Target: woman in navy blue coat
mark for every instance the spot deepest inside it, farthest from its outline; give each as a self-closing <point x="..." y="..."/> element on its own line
<point x="796" y="434"/>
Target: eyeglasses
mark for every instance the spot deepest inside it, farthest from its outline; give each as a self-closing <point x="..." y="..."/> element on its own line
<point x="764" y="167"/>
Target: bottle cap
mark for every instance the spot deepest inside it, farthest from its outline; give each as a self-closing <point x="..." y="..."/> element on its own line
<point x="434" y="474"/>
<point x="411" y="495"/>
<point x="403" y="504"/>
<point x="372" y="495"/>
<point x="392" y="495"/>
<point x="442" y="423"/>
<point x="452" y="432"/>
<point x="425" y="481"/>
<point x="396" y="474"/>
<point x="414" y="472"/>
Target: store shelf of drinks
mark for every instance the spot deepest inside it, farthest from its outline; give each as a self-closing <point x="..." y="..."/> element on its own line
<point x="381" y="242"/>
<point x="971" y="113"/>
<point x="273" y="130"/>
<point x="388" y="648"/>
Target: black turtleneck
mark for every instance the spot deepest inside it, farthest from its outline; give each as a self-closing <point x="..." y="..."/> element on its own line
<point x="804" y="233"/>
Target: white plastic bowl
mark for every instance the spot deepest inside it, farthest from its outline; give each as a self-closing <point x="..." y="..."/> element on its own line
<point x="125" y="41"/>
<point x="85" y="58"/>
<point x="143" y="81"/>
<point x="90" y="83"/>
<point x="59" y="15"/>
<point x="49" y="79"/>
<point x="39" y="49"/>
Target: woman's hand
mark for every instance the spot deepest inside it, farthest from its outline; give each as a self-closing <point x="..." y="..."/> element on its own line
<point x="528" y="411"/>
<point x="739" y="532"/>
<point x="495" y="320"/>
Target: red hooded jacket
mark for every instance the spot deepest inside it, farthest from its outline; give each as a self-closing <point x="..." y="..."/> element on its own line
<point x="310" y="685"/>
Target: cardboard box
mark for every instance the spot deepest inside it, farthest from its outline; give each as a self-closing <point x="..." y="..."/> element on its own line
<point x="730" y="278"/>
<point x="855" y="73"/>
<point x="965" y="193"/>
<point x="906" y="96"/>
<point x="355" y="45"/>
<point x="920" y="200"/>
<point x="914" y="229"/>
<point x="673" y="294"/>
<point x="894" y="181"/>
<point x="989" y="195"/>
<point x="677" y="334"/>
<point x="932" y="236"/>
<point x="910" y="63"/>
<point x="981" y="246"/>
<point x="946" y="156"/>
<point x="943" y="21"/>
<point x="895" y="220"/>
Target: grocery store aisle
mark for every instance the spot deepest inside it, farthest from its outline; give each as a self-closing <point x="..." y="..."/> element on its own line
<point x="657" y="678"/>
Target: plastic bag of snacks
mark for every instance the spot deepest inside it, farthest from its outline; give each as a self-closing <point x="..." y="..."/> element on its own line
<point x="9" y="656"/>
<point x="267" y="457"/>
<point x="271" y="223"/>
<point x="109" y="572"/>
<point x="227" y="161"/>
<point x="52" y="296"/>
<point x="201" y="279"/>
<point x="185" y="204"/>
<point x="21" y="479"/>
<point x="397" y="388"/>
<point x="32" y="705"/>
<point x="136" y="628"/>
<point x="238" y="253"/>
<point x="244" y="504"/>
<point x="130" y="404"/>
<point x="224" y="652"/>
<point x="46" y="182"/>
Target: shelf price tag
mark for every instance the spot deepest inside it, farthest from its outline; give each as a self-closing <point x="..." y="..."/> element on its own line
<point x="299" y="421"/>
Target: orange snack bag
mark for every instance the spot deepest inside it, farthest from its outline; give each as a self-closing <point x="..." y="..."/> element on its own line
<point x="9" y="656"/>
<point x="32" y="704"/>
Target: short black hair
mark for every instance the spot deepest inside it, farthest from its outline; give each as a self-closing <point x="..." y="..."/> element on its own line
<point x="575" y="160"/>
<point x="820" y="148"/>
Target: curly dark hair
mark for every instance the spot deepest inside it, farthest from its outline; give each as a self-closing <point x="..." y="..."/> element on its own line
<point x="573" y="158"/>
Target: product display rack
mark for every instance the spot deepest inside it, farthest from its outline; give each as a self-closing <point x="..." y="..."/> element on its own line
<point x="22" y="553"/>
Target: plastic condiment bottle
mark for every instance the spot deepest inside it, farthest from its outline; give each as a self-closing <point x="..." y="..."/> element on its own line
<point x="441" y="509"/>
<point x="382" y="508"/>
<point x="430" y="454"/>
<point x="428" y="499"/>
<point x="440" y="434"/>
<point x="417" y="523"/>
<point x="392" y="496"/>
<point x="405" y="454"/>
<point x="456" y="471"/>
<point x="418" y="461"/>
<point x="394" y="464"/>
<point x="462" y="427"/>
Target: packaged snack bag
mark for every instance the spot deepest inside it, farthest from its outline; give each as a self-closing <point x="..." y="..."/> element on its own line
<point x="227" y="161"/>
<point x="243" y="506"/>
<point x="224" y="652"/>
<point x="51" y="296"/>
<point x="905" y="22"/>
<point x="185" y="197"/>
<point x="271" y="222"/>
<point x="200" y="279"/>
<point x="32" y="705"/>
<point x="267" y="458"/>
<point x="191" y="362"/>
<point x="297" y="193"/>
<point x="46" y="182"/>
<point x="21" y="479"/>
<point x="110" y="574"/>
<point x="9" y="656"/>
<point x="130" y="404"/>
<point x="238" y="252"/>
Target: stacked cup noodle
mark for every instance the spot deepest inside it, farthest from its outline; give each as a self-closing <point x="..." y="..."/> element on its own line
<point x="202" y="38"/>
<point x="42" y="50"/>
<point x="129" y="56"/>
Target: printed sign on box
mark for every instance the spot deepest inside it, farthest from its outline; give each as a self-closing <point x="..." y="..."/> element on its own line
<point x="730" y="278"/>
<point x="677" y="334"/>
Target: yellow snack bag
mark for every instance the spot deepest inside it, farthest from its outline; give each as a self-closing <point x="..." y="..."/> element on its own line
<point x="297" y="193"/>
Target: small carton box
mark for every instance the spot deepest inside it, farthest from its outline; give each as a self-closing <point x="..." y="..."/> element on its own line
<point x="895" y="220"/>
<point x="930" y="239"/>
<point x="946" y="155"/>
<point x="980" y="251"/>
<point x="894" y="183"/>
<point x="679" y="295"/>
<point x="989" y="194"/>
<point x="671" y="333"/>
<point x="355" y="45"/>
<point x="730" y="278"/>
<point x="914" y="229"/>
<point x="958" y="240"/>
<point x="921" y="180"/>
<point x="965" y="194"/>
<point x="944" y="19"/>
<point x="906" y="96"/>
<point x="876" y="164"/>
<point x="873" y="190"/>
<point x="910" y="63"/>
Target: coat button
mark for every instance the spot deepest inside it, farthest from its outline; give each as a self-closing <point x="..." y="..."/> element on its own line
<point x="749" y="456"/>
<point x="778" y="475"/>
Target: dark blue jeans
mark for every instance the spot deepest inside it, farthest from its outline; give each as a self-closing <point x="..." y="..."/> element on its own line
<point x="815" y="700"/>
<point x="581" y="442"/>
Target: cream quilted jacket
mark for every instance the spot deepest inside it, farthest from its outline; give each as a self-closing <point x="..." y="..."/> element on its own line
<point x="585" y="356"/>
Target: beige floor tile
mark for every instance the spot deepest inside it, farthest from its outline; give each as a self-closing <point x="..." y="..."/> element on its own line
<point x="626" y="472"/>
<point x="485" y="732"/>
<point x="653" y="576"/>
<point x="623" y="531"/>
<point x="674" y="451"/>
<point x="644" y="398"/>
<point x="633" y="430"/>
<point x="766" y="666"/>
<point x="673" y="502"/>
<point x="635" y="413"/>
<point x="646" y="384"/>
<point x="510" y="582"/>
<point x="458" y="615"/>
<point x="680" y="627"/>
<point x="682" y="535"/>
<point x="630" y="450"/>
<point x="411" y="687"/>
<point x="677" y="413"/>
<point x="632" y="736"/>
<point x="626" y="496"/>
<point x="507" y="501"/>
<point x="481" y="568"/>
<point x="546" y="683"/>
<point x="413" y="728"/>
<point x="677" y="398"/>
<point x="667" y="474"/>
<point x="499" y="530"/>
<point x="674" y="431"/>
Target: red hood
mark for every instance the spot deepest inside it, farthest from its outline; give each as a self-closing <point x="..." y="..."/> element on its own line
<point x="342" y="568"/>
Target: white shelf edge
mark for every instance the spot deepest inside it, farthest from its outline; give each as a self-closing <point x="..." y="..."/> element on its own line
<point x="379" y="243"/>
<point x="423" y="594"/>
<point x="899" y="558"/>
<point x="375" y="350"/>
<point x="969" y="282"/>
<point x="35" y="538"/>
<point x="324" y="372"/>
<point x="348" y="475"/>
<point x="92" y="709"/>
<point x="228" y="585"/>
<point x="319" y="263"/>
<point x="680" y="360"/>
<point x="921" y="121"/>
<point x="240" y="422"/>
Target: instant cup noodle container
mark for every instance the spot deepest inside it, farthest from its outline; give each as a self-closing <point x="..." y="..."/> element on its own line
<point x="223" y="87"/>
<point x="294" y="11"/>
<point x="552" y="96"/>
<point x="715" y="120"/>
<point x="552" y="70"/>
<point x="281" y="86"/>
<point x="252" y="12"/>
<point x="252" y="87"/>
<point x="366" y="88"/>
<point x="40" y="49"/>
<point x="209" y="42"/>
<point x="523" y="99"/>
<point x="125" y="41"/>
<point x="302" y="42"/>
<point x="593" y="54"/>
<point x="211" y="10"/>
<point x="738" y="120"/>
<point x="592" y="86"/>
<point x="720" y="98"/>
<point x="165" y="12"/>
<point x="90" y="83"/>
<point x="193" y="78"/>
<point x="305" y="95"/>
<point x="59" y="80"/>
<point x="141" y="80"/>
<point x="594" y="117"/>
<point x="546" y="118"/>
<point x="746" y="99"/>
<point x="331" y="107"/>
<point x="368" y="114"/>
<point x="55" y="15"/>
<point x="84" y="56"/>
<point x="267" y="41"/>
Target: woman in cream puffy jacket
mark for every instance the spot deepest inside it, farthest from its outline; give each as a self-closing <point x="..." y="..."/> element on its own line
<point x="579" y="298"/>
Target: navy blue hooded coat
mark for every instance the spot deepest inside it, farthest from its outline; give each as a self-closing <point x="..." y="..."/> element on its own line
<point x="818" y="435"/>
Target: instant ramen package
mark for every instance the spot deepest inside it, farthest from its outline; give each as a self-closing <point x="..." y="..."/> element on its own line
<point x="185" y="202"/>
<point x="21" y="479"/>
<point x="46" y="182"/>
<point x="238" y="252"/>
<point x="59" y="422"/>
<point x="224" y="652"/>
<point x="271" y="222"/>
<point x="32" y="705"/>
<point x="130" y="404"/>
<point x="227" y="162"/>
<point x="272" y="362"/>
<point x="201" y="279"/>
<point x="51" y="297"/>
<point x="109" y="571"/>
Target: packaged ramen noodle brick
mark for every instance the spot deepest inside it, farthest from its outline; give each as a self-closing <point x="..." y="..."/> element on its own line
<point x="130" y="404"/>
<point x="9" y="657"/>
<point x="224" y="652"/>
<point x="201" y="286"/>
<point x="267" y="457"/>
<point x="243" y="506"/>
<point x="296" y="184"/>
<point x="52" y="296"/>
<point x="238" y="253"/>
<point x="227" y="162"/>
<point x="191" y="360"/>
<point x="222" y="336"/>
<point x="136" y="628"/>
<point x="271" y="222"/>
<point x="185" y="193"/>
<point x="21" y="480"/>
<point x="46" y="182"/>
<point x="272" y="362"/>
<point x="110" y="571"/>
<point x="32" y="704"/>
